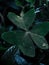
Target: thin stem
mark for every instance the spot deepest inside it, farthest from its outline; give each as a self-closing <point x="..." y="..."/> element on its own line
<point x="2" y="19"/>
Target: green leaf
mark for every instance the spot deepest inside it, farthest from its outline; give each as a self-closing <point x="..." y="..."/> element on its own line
<point x="23" y="22"/>
<point x="29" y="18"/>
<point x="41" y="29"/>
<point x="17" y="20"/>
<point x="18" y="3"/>
<point x="27" y="46"/>
<point x="31" y="1"/>
<point x="40" y="41"/>
<point x="13" y="37"/>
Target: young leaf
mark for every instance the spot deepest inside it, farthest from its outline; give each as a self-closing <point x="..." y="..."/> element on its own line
<point x="41" y="29"/>
<point x="27" y="47"/>
<point x="40" y="41"/>
<point x="23" y="22"/>
<point x="31" y="1"/>
<point x="13" y="37"/>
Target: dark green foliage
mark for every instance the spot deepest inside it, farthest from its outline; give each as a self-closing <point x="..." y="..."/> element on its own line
<point x="41" y="28"/>
<point x="24" y="25"/>
<point x="40" y="41"/>
<point x="23" y="21"/>
<point x="27" y="46"/>
<point x="12" y="37"/>
<point x="17" y="37"/>
<point x="2" y="48"/>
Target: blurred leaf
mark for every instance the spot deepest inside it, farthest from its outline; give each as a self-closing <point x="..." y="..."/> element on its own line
<point x="9" y="52"/>
<point x="8" y="57"/>
<point x="18" y="2"/>
<point x="23" y="21"/>
<point x="41" y="28"/>
<point x="40" y="41"/>
<point x="27" y="46"/>
<point x="13" y="37"/>
<point x="31" y="1"/>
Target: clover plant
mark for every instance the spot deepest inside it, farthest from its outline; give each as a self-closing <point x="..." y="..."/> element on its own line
<point x="25" y="38"/>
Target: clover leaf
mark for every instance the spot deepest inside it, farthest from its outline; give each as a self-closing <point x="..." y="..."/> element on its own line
<point x="24" y="21"/>
<point x="25" y="39"/>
